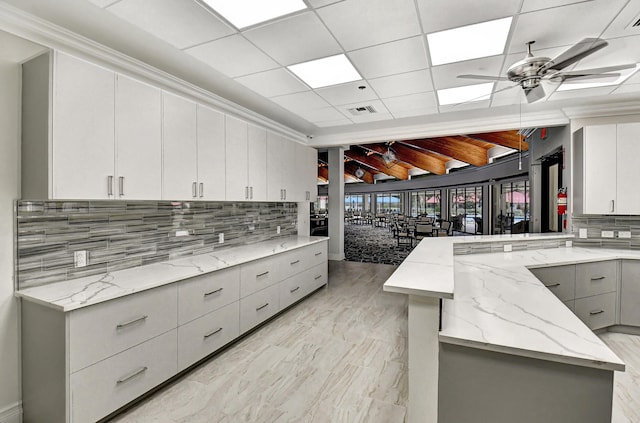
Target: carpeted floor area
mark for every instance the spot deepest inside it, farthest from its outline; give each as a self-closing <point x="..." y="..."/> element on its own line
<point x="369" y="244"/>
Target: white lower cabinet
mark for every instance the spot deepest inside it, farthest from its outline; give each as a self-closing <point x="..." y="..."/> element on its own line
<point x="207" y="334"/>
<point x="82" y="365"/>
<point x="108" y="385"/>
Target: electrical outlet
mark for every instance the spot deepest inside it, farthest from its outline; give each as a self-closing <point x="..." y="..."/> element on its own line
<point x="221" y="238"/>
<point x="582" y="233"/>
<point x="606" y="234"/>
<point x="568" y="244"/>
<point x="508" y="248"/>
<point x="278" y="230"/>
<point x="624" y="234"/>
<point x="252" y="227"/>
<point x="80" y="258"/>
<point x="182" y="233"/>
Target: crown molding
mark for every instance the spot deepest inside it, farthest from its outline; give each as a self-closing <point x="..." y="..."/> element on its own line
<point x="37" y="30"/>
<point x="436" y="129"/>
<point x="603" y="110"/>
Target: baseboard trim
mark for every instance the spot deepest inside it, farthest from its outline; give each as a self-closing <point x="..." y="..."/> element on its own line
<point x="11" y="413"/>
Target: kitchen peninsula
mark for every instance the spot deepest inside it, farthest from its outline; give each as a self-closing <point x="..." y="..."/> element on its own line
<point x="508" y="349"/>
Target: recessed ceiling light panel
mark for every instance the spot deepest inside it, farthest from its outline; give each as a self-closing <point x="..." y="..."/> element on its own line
<point x="465" y="94"/>
<point x="469" y="42"/>
<point x="331" y="70"/>
<point x="244" y="13"/>
<point x="624" y="75"/>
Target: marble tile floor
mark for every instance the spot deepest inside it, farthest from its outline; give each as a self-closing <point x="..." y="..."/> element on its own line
<point x="339" y="356"/>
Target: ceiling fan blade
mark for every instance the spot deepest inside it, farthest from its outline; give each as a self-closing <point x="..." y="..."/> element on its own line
<point x="534" y="94"/>
<point x="596" y="77"/>
<point x="596" y="71"/>
<point x="484" y="77"/>
<point x="574" y="53"/>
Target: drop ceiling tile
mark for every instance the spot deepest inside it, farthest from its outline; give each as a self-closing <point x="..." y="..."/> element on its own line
<point x="514" y="95"/>
<point x="296" y="39"/>
<point x="363" y="23"/>
<point x="446" y="76"/>
<point x="627" y="89"/>
<point x="301" y="101"/>
<point x="565" y="25"/>
<point x="322" y="3"/>
<point x="483" y="104"/>
<point x="587" y="92"/>
<point x="620" y="51"/>
<point x="330" y="123"/>
<point x="372" y="118"/>
<point x="273" y="82"/>
<point x="633" y="79"/>
<point x="320" y="115"/>
<point x="233" y="56"/>
<point x="390" y="58"/>
<point x="178" y="22"/>
<point x="437" y="15"/>
<point x="412" y="105"/>
<point x="402" y="84"/>
<point x="621" y="26"/>
<point x="103" y="3"/>
<point x="532" y="5"/>
<point x="347" y="93"/>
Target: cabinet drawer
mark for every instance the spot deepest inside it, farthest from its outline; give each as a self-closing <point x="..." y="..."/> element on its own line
<point x="259" y="274"/>
<point x="199" y="338"/>
<point x="203" y="294"/>
<point x="295" y="261"/>
<point x="318" y="253"/>
<point x="258" y="307"/>
<point x="302" y="284"/>
<point x="561" y="280"/>
<point x="106" y="386"/>
<point x="318" y="276"/>
<point x="104" y="329"/>
<point x="596" y="278"/>
<point x="598" y="311"/>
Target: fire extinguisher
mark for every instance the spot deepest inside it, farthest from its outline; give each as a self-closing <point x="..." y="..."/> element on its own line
<point x="562" y="201"/>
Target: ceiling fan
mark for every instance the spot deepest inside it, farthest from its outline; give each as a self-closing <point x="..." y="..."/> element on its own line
<point x="529" y="72"/>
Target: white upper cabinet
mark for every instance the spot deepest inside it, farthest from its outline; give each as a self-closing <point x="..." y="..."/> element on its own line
<point x="257" y="164"/>
<point x="138" y="135"/>
<point x="237" y="186"/>
<point x="275" y="167"/>
<point x="211" y="154"/>
<point x="306" y="171"/>
<point x="179" y="146"/>
<point x="82" y="165"/>
<point x="604" y="169"/>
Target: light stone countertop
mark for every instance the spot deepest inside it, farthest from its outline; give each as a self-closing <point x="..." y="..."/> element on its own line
<point x="77" y="293"/>
<point x="493" y="302"/>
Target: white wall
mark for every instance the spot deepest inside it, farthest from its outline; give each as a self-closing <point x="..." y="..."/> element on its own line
<point x="10" y="395"/>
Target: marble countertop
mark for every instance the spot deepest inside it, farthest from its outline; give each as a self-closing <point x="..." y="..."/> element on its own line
<point x="495" y="303"/>
<point x="77" y="293"/>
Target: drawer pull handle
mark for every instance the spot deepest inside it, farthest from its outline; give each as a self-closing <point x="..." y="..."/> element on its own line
<point x="317" y="254"/>
<point x="132" y="375"/>
<point x="295" y="262"/>
<point x="261" y="307"/>
<point x="262" y="274"/>
<point x="130" y="322"/>
<point x="212" y="333"/>
<point x="593" y="313"/>
<point x="597" y="278"/>
<point x="317" y="277"/>
<point x="215" y="291"/>
<point x="294" y="289"/>
<point x="553" y="285"/>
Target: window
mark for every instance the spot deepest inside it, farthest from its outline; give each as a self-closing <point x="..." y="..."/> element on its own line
<point x="321" y="205"/>
<point x="511" y="213"/>
<point x="357" y="203"/>
<point x="389" y="203"/>
<point x="426" y="203"/>
<point x="465" y="209"/>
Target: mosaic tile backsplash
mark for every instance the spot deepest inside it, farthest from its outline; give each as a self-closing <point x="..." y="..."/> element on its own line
<point x="498" y="246"/>
<point x="123" y="234"/>
<point x="596" y="224"/>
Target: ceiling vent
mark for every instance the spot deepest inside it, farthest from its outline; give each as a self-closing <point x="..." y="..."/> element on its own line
<point x="362" y="110"/>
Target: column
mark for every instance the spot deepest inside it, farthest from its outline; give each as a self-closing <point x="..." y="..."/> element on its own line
<point x="336" y="203"/>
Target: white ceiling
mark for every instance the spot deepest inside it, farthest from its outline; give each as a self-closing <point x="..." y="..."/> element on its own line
<point x="384" y="39"/>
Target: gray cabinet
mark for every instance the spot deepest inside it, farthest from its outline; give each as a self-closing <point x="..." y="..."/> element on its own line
<point x="561" y="280"/>
<point x="630" y="293"/>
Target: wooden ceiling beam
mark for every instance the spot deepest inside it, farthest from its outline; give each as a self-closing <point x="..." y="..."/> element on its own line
<point x="376" y="162"/>
<point x="350" y="169"/>
<point x="414" y="157"/>
<point x="454" y="147"/>
<point x="510" y="139"/>
<point x="323" y="173"/>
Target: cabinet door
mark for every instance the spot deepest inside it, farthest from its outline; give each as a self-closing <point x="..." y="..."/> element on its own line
<point x="306" y="162"/>
<point x="257" y="161"/>
<point x="275" y="166"/>
<point x="236" y="160"/>
<point x="179" y="148"/>
<point x="628" y="171"/>
<point x="290" y="177"/>
<point x="630" y="293"/>
<point x="83" y="129"/>
<point x="211" y="155"/>
<point x="599" y="165"/>
<point x="138" y="129"/>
